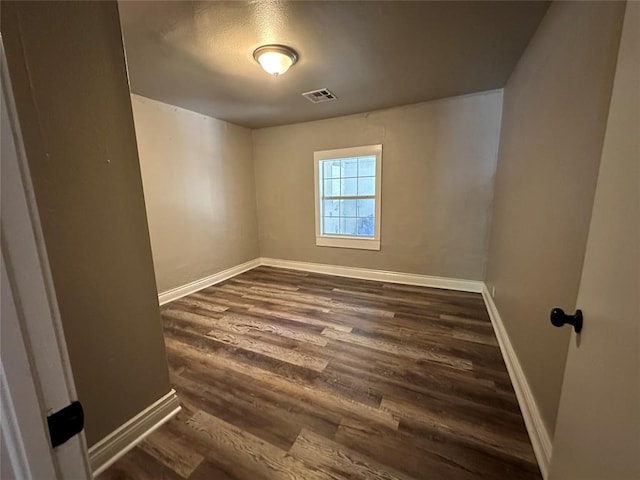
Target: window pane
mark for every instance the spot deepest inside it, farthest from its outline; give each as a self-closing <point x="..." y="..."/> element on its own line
<point x="366" y="207"/>
<point x="348" y="208"/>
<point x="349" y="167"/>
<point x="330" y="168"/>
<point x="349" y="186"/>
<point x="366" y="226"/>
<point x="367" y="166"/>
<point x="349" y="226"/>
<point x="331" y="225"/>
<point x="330" y="208"/>
<point x="367" y="186"/>
<point x="331" y="188"/>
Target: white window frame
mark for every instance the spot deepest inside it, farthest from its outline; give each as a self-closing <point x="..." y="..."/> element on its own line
<point x="344" y="241"/>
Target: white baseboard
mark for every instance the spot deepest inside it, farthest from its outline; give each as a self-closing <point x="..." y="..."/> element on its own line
<point x="108" y="450"/>
<point x="474" y="286"/>
<point x="189" y="288"/>
<point x="378" y="275"/>
<point x="538" y="433"/>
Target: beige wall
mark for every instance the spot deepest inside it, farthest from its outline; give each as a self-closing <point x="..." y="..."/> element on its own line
<point x="438" y="168"/>
<point x="199" y="188"/>
<point x="553" y="123"/>
<point x="68" y="73"/>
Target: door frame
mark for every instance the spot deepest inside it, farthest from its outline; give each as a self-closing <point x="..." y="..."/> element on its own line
<point x="35" y="372"/>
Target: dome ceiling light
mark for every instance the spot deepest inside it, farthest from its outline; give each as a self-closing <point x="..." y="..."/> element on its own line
<point x="275" y="59"/>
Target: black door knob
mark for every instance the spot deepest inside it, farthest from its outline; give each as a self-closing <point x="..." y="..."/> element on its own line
<point x="559" y="318"/>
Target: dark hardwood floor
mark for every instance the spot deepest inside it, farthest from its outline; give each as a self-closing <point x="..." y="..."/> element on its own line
<point x="293" y="375"/>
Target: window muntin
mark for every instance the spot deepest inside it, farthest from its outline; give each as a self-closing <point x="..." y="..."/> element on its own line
<point x="348" y="197"/>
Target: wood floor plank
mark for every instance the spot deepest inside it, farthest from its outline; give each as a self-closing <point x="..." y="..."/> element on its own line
<point x="138" y="465"/>
<point x="242" y="324"/>
<point x="397" y="349"/>
<point x="330" y="456"/>
<point x="407" y="385"/>
<point x="261" y="365"/>
<point x="209" y="470"/>
<point x="267" y="284"/>
<point x="456" y="426"/>
<point x="270" y="350"/>
<point x="287" y="415"/>
<point x="430" y="332"/>
<point x="223" y="298"/>
<point x="303" y="319"/>
<point x="357" y="388"/>
<point x="440" y="455"/>
<point x="321" y="398"/>
<point x="172" y="451"/>
<point x="237" y="447"/>
<point x="203" y="305"/>
<point x="428" y="458"/>
<point x="287" y="300"/>
<point x="189" y="320"/>
<point x="286" y="375"/>
<point x="303" y="391"/>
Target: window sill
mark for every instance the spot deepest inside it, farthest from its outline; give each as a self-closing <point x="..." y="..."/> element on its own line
<point x="348" y="242"/>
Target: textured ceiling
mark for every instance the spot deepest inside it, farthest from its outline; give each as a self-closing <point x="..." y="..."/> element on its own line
<point x="371" y="55"/>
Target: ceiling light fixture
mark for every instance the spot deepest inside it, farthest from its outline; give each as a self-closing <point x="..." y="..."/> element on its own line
<point x="275" y="59"/>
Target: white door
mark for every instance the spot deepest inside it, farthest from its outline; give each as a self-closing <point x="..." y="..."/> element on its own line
<point x="598" y="428"/>
<point x="35" y="374"/>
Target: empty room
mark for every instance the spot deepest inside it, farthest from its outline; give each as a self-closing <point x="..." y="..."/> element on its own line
<point x="308" y="240"/>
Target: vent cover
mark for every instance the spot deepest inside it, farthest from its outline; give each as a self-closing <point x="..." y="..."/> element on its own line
<point x="319" y="96"/>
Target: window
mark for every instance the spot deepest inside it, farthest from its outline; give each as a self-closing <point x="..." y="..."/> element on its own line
<point x="348" y="197"/>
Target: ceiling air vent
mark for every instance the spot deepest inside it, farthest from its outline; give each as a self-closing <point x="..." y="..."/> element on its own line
<point x="319" y="96"/>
